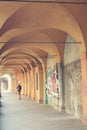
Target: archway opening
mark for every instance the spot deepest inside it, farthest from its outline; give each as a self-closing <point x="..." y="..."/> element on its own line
<point x="6" y="83"/>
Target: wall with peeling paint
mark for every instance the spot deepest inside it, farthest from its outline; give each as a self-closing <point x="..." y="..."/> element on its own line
<point x="72" y="79"/>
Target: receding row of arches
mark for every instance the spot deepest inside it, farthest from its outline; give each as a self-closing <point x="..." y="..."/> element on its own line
<point x="55" y="83"/>
<point x="44" y="46"/>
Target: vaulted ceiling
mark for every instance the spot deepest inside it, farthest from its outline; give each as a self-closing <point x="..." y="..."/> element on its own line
<point x="29" y="31"/>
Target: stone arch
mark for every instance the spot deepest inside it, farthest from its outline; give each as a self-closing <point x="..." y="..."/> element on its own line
<point x="61" y="10"/>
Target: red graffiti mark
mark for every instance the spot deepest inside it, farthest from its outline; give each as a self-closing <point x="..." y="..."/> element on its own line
<point x="48" y="91"/>
<point x="54" y="85"/>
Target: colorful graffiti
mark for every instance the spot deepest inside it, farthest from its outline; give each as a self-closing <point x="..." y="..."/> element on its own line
<point x="52" y="87"/>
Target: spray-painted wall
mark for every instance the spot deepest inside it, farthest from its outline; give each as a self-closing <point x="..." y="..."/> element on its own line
<point x="52" y="85"/>
<point x="72" y="78"/>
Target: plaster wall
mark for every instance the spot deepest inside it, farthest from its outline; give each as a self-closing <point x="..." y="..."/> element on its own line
<point x="72" y="78"/>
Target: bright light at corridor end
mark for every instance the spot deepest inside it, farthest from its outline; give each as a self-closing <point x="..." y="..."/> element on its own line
<point x="6" y="83"/>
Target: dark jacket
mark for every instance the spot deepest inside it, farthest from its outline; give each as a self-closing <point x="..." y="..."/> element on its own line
<point x="19" y="87"/>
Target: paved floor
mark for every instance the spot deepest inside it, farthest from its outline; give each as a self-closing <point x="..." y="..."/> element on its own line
<point x="27" y="115"/>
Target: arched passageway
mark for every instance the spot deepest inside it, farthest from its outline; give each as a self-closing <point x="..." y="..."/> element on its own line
<point x="46" y="52"/>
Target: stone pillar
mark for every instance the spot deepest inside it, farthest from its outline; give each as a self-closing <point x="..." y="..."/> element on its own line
<point x="45" y="83"/>
<point x="84" y="85"/>
<point x="14" y="85"/>
<point x="41" y="86"/>
<point x="32" y="84"/>
<point x="0" y="88"/>
<point x="36" y="83"/>
<point x="62" y="86"/>
<point x="25" y="84"/>
<point x="28" y="83"/>
<point x="30" y="75"/>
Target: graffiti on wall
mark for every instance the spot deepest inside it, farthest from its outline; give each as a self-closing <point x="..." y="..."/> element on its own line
<point x="73" y="94"/>
<point x="52" y="87"/>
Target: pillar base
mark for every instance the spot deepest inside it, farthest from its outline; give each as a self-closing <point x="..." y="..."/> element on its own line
<point x="84" y="121"/>
<point x="41" y="101"/>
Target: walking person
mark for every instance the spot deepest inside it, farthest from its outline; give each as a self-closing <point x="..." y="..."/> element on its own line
<point x="19" y="88"/>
